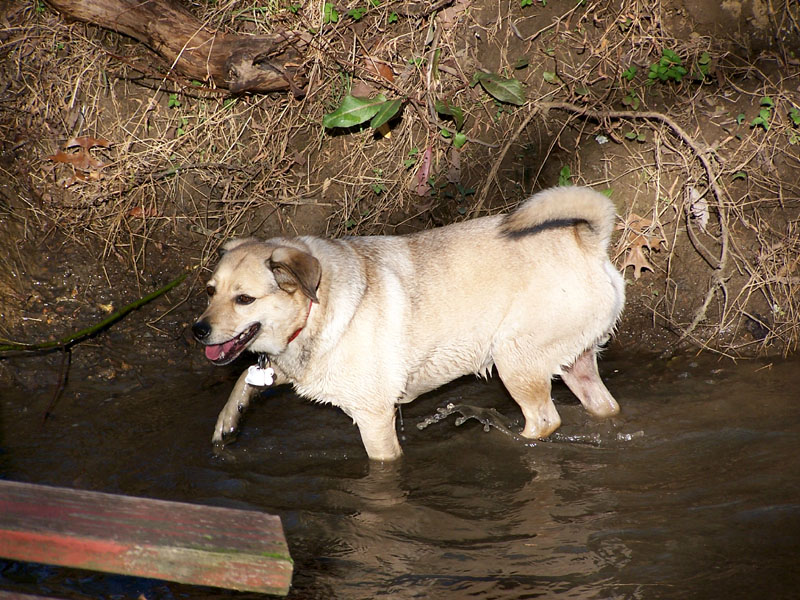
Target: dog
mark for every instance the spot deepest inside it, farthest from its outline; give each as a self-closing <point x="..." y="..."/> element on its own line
<point x="366" y="323"/>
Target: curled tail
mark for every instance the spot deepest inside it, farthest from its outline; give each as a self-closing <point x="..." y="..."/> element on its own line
<point x="567" y="205"/>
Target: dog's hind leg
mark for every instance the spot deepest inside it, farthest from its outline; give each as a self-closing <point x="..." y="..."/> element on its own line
<point x="238" y="401"/>
<point x="584" y="381"/>
<point x="532" y="393"/>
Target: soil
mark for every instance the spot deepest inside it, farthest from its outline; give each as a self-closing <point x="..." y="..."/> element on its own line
<point x="181" y="174"/>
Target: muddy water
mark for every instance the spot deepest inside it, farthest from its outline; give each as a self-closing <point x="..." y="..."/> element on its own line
<point x="694" y="492"/>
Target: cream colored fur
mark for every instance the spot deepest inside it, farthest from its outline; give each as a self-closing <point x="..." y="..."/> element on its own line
<point x="532" y="293"/>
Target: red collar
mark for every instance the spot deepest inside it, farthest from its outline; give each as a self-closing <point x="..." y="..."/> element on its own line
<point x="296" y="333"/>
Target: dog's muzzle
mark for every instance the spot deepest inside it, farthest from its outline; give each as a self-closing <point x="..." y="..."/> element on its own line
<point x="226" y="352"/>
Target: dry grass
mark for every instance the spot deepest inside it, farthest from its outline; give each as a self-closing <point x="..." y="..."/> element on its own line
<point x="189" y="166"/>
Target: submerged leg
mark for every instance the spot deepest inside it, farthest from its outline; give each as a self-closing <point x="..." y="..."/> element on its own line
<point x="532" y="393"/>
<point x="584" y="381"/>
<point x="378" y="434"/>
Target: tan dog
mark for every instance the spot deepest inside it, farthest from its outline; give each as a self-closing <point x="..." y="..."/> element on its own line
<point x="365" y="323"/>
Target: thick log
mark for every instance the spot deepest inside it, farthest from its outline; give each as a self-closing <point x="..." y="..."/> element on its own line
<point x="187" y="543"/>
<point x="239" y="63"/>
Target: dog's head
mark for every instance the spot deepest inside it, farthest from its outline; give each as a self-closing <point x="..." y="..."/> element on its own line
<point x="260" y="297"/>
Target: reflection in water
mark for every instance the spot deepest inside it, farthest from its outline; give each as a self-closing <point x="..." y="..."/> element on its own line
<point x="692" y="492"/>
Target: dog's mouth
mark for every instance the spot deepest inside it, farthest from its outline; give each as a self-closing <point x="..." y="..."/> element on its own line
<point x="226" y="352"/>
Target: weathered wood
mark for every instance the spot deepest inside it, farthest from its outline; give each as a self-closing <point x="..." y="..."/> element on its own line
<point x="188" y="543"/>
<point x="240" y="63"/>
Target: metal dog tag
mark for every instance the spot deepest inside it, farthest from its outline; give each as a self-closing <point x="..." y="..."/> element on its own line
<point x="259" y="377"/>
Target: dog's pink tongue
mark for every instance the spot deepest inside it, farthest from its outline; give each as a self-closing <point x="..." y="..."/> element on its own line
<point x="214" y="352"/>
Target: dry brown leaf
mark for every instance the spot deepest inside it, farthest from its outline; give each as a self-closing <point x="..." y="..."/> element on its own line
<point x="85" y="166"/>
<point x="454" y="169"/>
<point x="379" y="68"/>
<point x="141" y="212"/>
<point x="423" y="188"/>
<point x="448" y="18"/>
<point x="635" y="258"/>
<point x="633" y="242"/>
<point x="362" y="89"/>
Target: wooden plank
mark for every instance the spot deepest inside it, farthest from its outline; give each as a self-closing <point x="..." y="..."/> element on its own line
<point x="188" y="543"/>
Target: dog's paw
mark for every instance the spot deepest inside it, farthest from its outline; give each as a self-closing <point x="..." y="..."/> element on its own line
<point x="227" y="424"/>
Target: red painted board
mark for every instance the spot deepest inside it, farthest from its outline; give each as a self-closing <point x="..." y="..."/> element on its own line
<point x="189" y="543"/>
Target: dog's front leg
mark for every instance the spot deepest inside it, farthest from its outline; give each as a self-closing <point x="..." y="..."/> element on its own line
<point x="379" y="434"/>
<point x="238" y="401"/>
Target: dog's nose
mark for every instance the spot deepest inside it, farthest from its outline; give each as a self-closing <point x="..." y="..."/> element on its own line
<point x="201" y="330"/>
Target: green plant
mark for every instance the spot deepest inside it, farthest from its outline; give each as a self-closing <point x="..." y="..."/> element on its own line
<point x="669" y="66"/>
<point x="634" y="136"/>
<point x="355" y="111"/>
<point x="183" y="122"/>
<point x="764" y="114"/>
<point x="565" y="176"/>
<point x="357" y="13"/>
<point x="413" y="154"/>
<point x="393" y="18"/>
<point x="629" y="73"/>
<point x="502" y="89"/>
<point x="551" y="77"/>
<point x="794" y="115"/>
<point x="329" y="14"/>
<point x="524" y="3"/>
<point x="173" y="101"/>
<point x="703" y="67"/>
<point x="631" y="100"/>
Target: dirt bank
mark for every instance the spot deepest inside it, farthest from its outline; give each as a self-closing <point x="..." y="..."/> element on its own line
<point x="117" y="175"/>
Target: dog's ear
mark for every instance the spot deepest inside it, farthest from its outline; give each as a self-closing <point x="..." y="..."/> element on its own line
<point x="234" y="243"/>
<point x="295" y="269"/>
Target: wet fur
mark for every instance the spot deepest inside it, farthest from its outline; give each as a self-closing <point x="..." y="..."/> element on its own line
<point x="532" y="293"/>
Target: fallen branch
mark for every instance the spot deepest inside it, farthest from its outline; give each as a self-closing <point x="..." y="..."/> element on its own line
<point x="240" y="63"/>
<point x="67" y="342"/>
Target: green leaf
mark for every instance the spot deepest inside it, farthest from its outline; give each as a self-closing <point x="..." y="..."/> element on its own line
<point x="565" y="176"/>
<point x="353" y="111"/>
<point x="629" y="73"/>
<point x="357" y="13"/>
<point x="500" y="88"/>
<point x="329" y="14"/>
<point x="459" y="139"/>
<point x="671" y="57"/>
<point x="393" y="18"/>
<point x="173" y="101"/>
<point x="740" y="118"/>
<point x="521" y="63"/>
<point x="767" y="101"/>
<point x="739" y="175"/>
<point x="551" y="77"/>
<point x="443" y="107"/>
<point x="386" y="112"/>
<point x="794" y="115"/>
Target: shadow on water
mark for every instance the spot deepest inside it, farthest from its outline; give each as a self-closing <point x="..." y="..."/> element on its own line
<point x="693" y="492"/>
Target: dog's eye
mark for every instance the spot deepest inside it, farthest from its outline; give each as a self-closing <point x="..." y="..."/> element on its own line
<point x="210" y="290"/>
<point x="244" y="299"/>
